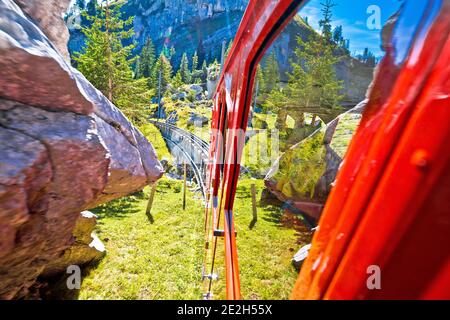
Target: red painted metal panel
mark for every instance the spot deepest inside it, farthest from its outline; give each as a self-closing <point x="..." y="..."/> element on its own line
<point x="262" y="22"/>
<point x="377" y="194"/>
<point x="390" y="203"/>
<point x="417" y="171"/>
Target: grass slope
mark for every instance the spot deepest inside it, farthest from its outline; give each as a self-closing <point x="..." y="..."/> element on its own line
<point x="153" y="134"/>
<point x="163" y="259"/>
<point x="145" y="260"/>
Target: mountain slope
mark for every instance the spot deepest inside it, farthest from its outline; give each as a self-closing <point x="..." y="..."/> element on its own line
<point x="185" y="25"/>
<point x="202" y="26"/>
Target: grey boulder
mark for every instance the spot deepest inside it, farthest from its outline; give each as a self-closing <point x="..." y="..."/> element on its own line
<point x="64" y="148"/>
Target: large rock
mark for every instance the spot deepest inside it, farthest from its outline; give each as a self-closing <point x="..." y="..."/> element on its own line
<point x="47" y="15"/>
<point x="197" y="120"/>
<point x="75" y="148"/>
<point x="86" y="248"/>
<point x="31" y="70"/>
<point x="304" y="174"/>
<point x="24" y="175"/>
<point x="76" y="170"/>
<point x="127" y="174"/>
<point x="64" y="148"/>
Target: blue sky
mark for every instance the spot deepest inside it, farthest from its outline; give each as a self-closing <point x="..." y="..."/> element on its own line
<point x="353" y="16"/>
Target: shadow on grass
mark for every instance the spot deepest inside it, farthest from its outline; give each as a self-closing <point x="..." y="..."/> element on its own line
<point x="56" y="287"/>
<point x="119" y="208"/>
<point x="284" y="219"/>
<point x="273" y="214"/>
<point x="272" y="208"/>
<point x="252" y="223"/>
<point x="302" y="232"/>
<point x="150" y="218"/>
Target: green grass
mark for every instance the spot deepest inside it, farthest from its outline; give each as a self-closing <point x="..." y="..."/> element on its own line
<point x="159" y="260"/>
<point x="258" y="156"/>
<point x="269" y="118"/>
<point x="265" y="251"/>
<point x="347" y="126"/>
<point x="153" y="134"/>
<point x="163" y="259"/>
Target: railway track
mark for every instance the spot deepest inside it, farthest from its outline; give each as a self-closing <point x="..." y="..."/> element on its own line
<point x="187" y="148"/>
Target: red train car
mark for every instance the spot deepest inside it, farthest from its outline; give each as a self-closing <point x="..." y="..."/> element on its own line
<point x="389" y="209"/>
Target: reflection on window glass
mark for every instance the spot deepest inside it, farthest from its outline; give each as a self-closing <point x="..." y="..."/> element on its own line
<point x="309" y="95"/>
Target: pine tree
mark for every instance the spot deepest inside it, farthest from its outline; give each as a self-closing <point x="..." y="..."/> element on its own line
<point x="277" y="102"/>
<point x="80" y="4"/>
<point x="338" y="35"/>
<point x="338" y="39"/>
<point x="105" y="62"/>
<point x="184" y="69"/>
<point x="325" y="22"/>
<point x="146" y="60"/>
<point x="368" y="58"/>
<point x="365" y="55"/>
<point x="227" y="52"/>
<point x="194" y="62"/>
<point x="91" y="8"/>
<point x="196" y="74"/>
<point x="204" y="72"/>
<point x="177" y="81"/>
<point x="162" y="65"/>
<point x="271" y="73"/>
<point x="201" y="52"/>
<point x="261" y="82"/>
<point x="312" y="83"/>
<point x="88" y="8"/>
<point x="259" y="86"/>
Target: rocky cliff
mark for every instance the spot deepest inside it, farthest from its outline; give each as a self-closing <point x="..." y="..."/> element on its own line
<point x="185" y="25"/>
<point x="202" y="25"/>
<point x="64" y="148"/>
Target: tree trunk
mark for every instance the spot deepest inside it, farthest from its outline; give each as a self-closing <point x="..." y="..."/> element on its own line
<point x="299" y="120"/>
<point x="281" y="119"/>
<point x="109" y="53"/>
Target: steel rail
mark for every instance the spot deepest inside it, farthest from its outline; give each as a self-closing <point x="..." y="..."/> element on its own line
<point x="202" y="146"/>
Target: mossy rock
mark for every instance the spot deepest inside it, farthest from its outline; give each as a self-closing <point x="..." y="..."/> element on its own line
<point x="306" y="171"/>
